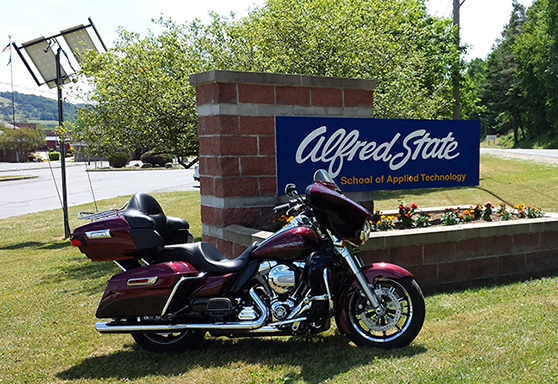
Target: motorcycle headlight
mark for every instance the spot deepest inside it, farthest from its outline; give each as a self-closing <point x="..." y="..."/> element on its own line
<point x="365" y="232"/>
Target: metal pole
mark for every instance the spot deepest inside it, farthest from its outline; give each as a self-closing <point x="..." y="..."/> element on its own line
<point x="59" y="82"/>
<point x="455" y="75"/>
<point x="12" y="82"/>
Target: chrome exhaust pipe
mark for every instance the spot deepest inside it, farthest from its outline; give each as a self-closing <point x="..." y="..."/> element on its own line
<point x="106" y="327"/>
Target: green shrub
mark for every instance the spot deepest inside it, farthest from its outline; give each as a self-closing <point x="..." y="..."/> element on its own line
<point x="156" y="159"/>
<point x="119" y="159"/>
<point x="52" y="156"/>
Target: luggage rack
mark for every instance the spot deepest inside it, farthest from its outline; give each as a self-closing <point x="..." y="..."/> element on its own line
<point x="94" y="216"/>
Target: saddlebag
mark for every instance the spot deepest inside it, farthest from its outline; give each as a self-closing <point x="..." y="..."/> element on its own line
<point x="146" y="291"/>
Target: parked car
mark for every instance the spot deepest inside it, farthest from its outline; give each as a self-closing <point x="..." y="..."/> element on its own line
<point x="197" y="172"/>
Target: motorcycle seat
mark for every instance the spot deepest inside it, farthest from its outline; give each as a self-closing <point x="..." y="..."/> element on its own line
<point x="205" y="257"/>
<point x="144" y="211"/>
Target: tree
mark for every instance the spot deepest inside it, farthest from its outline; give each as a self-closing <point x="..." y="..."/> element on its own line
<point x="141" y="97"/>
<point x="21" y="139"/>
<point x="502" y="93"/>
<point x="396" y="42"/>
<point x="471" y="102"/>
<point x="537" y="56"/>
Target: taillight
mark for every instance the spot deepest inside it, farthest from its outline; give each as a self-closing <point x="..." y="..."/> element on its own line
<point x="77" y="241"/>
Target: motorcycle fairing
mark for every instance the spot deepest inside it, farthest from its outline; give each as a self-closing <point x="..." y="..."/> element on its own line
<point x="334" y="211"/>
<point x="371" y="272"/>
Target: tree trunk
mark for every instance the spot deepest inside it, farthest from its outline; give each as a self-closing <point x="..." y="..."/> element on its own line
<point x="514" y="124"/>
<point x="186" y="166"/>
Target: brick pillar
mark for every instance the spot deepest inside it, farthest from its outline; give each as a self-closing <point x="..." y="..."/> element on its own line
<point x="236" y="116"/>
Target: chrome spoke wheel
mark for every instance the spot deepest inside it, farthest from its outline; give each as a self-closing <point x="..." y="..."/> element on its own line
<point x="395" y="313"/>
<point x="398" y="322"/>
<point x="169" y="342"/>
<point x="165" y="338"/>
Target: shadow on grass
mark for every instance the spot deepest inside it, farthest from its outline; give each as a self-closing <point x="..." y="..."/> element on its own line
<point x="396" y="193"/>
<point x="495" y="195"/>
<point x="91" y="276"/>
<point x="86" y="269"/>
<point x="312" y="360"/>
<point x="36" y="245"/>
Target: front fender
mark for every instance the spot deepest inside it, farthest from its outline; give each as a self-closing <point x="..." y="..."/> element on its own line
<point x="371" y="272"/>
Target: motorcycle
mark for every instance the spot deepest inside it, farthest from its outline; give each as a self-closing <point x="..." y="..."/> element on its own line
<point x="172" y="291"/>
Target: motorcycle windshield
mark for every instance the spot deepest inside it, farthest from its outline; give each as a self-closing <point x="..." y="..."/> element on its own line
<point x="334" y="211"/>
<point x="321" y="176"/>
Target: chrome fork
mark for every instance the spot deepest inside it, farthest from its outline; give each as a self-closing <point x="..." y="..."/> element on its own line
<point x="356" y="268"/>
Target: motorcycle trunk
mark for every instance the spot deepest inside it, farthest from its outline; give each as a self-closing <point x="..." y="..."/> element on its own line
<point x="114" y="239"/>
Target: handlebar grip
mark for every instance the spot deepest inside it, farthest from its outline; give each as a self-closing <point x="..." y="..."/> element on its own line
<point x="281" y="207"/>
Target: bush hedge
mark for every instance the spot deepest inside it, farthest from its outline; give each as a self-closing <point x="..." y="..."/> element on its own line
<point x="156" y="159"/>
<point x="119" y="159"/>
<point x="53" y="156"/>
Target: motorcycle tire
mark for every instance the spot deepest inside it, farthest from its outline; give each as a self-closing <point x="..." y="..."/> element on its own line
<point x="169" y="342"/>
<point x="400" y="322"/>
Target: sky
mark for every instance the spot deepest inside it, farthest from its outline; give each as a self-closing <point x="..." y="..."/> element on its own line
<point x="481" y="22"/>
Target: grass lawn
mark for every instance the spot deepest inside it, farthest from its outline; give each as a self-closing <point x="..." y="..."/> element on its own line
<point x="501" y="180"/>
<point x="50" y="291"/>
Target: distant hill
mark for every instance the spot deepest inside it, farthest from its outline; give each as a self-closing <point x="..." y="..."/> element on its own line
<point x="34" y="109"/>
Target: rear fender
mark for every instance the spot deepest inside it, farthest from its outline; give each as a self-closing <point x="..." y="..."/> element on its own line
<point x="372" y="273"/>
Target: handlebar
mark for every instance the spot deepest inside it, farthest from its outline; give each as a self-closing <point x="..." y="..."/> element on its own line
<point x="288" y="205"/>
<point x="281" y="207"/>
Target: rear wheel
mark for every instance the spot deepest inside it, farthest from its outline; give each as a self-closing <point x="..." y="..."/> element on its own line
<point x="400" y="320"/>
<point x="169" y="342"/>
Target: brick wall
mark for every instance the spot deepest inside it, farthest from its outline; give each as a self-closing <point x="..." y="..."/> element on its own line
<point x="236" y="116"/>
<point x="471" y="254"/>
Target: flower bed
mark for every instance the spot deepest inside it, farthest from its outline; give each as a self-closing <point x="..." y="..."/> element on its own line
<point x="470" y="253"/>
<point x="409" y="216"/>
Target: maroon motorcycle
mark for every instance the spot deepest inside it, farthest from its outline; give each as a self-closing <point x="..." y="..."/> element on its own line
<point x="174" y="290"/>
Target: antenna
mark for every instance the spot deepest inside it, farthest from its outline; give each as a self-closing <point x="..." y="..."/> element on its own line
<point x="41" y="52"/>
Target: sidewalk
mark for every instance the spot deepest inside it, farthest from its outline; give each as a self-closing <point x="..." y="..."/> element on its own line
<point x="14" y="167"/>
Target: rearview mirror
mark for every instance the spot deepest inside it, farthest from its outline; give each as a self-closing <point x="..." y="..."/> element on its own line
<point x="290" y="190"/>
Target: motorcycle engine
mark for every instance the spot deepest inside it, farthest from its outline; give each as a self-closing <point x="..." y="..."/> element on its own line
<point x="281" y="278"/>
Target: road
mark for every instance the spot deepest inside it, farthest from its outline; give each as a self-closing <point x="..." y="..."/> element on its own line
<point x="528" y="152"/>
<point x="38" y="194"/>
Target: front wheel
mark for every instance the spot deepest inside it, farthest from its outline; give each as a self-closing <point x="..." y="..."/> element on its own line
<point x="169" y="342"/>
<point x="401" y="318"/>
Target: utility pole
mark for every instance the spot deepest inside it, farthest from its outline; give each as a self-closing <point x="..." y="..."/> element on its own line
<point x="456" y="76"/>
<point x="12" y="81"/>
<point x="62" y="134"/>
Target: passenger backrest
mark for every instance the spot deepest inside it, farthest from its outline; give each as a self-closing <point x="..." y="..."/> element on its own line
<point x="144" y="211"/>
